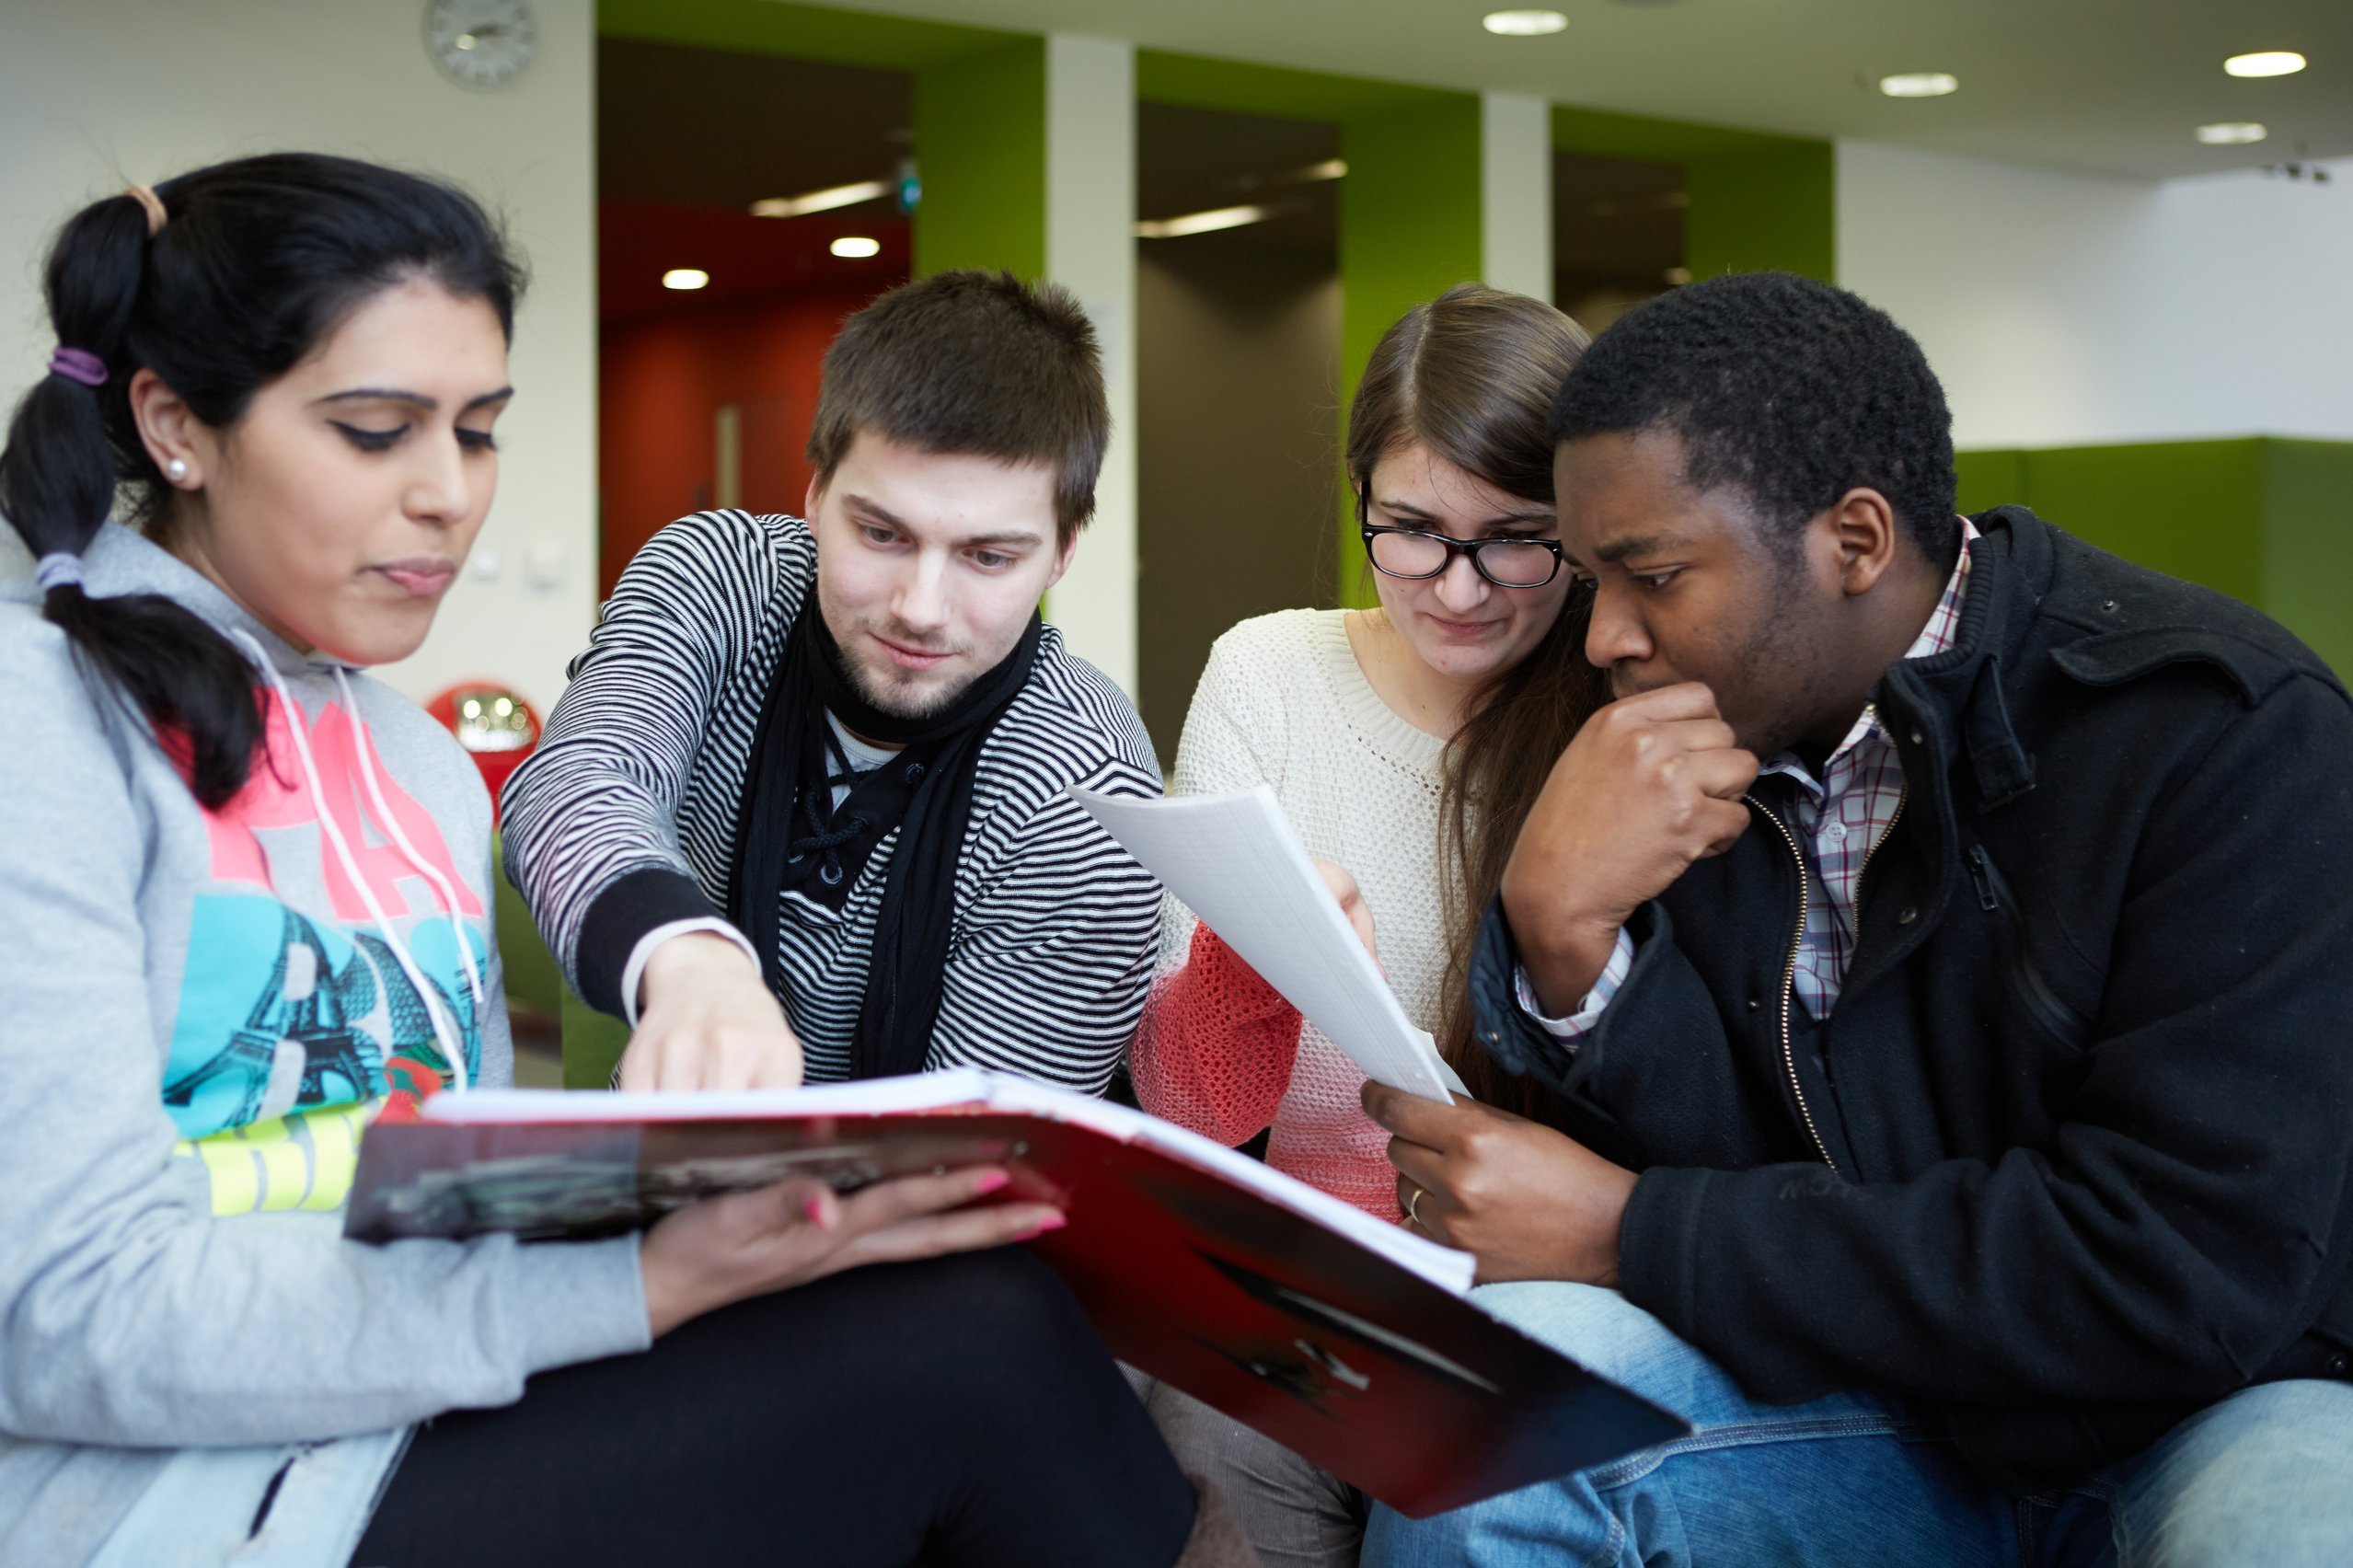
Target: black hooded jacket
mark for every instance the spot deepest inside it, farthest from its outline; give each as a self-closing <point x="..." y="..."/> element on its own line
<point x="2069" y="1158"/>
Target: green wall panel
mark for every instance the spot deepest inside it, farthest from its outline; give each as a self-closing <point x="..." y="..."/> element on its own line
<point x="2193" y="509"/>
<point x="2268" y="521"/>
<point x="980" y="138"/>
<point x="2308" y="568"/>
<point x="1989" y="479"/>
<point x="1409" y="231"/>
<point x="1772" y="209"/>
<point x="1409" y="218"/>
<point x="1758" y="203"/>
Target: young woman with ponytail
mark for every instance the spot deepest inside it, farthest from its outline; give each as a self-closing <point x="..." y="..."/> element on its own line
<point x="244" y="895"/>
<point x="1385" y="734"/>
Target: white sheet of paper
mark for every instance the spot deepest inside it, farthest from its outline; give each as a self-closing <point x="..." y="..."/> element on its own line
<point x="1234" y="861"/>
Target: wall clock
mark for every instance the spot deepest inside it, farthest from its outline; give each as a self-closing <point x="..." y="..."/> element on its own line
<point x="480" y="43"/>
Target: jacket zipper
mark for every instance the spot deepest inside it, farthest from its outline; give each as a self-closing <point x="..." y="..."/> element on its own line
<point x="1981" y="873"/>
<point x="1789" y="980"/>
<point x="1993" y="894"/>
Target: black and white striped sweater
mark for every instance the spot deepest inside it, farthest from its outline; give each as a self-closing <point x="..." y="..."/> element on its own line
<point x="624" y="817"/>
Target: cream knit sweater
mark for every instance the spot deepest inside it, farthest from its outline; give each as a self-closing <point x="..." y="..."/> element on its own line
<point x="1282" y="703"/>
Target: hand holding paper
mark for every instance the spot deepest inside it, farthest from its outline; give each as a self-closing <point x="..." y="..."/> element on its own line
<point x="1353" y="907"/>
<point x="1234" y="861"/>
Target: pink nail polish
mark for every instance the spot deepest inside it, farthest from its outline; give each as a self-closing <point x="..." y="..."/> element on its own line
<point x="815" y="1209"/>
<point x="995" y="1182"/>
<point x="1051" y="1222"/>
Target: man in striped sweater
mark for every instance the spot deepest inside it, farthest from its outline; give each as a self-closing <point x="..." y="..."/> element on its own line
<point x="801" y="811"/>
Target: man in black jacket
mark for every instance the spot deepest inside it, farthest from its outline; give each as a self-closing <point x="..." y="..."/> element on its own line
<point x="1940" y="959"/>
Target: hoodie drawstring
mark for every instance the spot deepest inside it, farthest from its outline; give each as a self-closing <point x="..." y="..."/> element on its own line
<point x="444" y="1027"/>
<point x="365" y="744"/>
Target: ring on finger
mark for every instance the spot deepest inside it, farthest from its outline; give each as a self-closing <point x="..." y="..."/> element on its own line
<point x="1410" y="1199"/>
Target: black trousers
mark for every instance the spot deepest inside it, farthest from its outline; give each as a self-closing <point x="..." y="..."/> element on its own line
<point x="960" y="1411"/>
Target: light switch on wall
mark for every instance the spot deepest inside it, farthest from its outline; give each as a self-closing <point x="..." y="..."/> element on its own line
<point x="543" y="568"/>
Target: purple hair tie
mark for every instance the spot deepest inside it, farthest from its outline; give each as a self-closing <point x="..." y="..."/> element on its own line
<point x="78" y="365"/>
<point x="58" y="569"/>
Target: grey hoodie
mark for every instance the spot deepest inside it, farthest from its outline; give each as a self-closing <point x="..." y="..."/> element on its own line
<point x="175" y="982"/>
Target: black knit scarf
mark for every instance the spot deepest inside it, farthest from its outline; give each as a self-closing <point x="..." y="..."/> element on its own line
<point x="790" y="838"/>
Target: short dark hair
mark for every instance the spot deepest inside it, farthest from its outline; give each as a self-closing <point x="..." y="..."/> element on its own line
<point x="977" y="363"/>
<point x="256" y="262"/>
<point x="1789" y="390"/>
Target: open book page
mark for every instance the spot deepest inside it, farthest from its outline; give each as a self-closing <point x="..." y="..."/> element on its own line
<point x="1444" y="1266"/>
<point x="974" y="1088"/>
<point x="1350" y="1342"/>
<point x="1234" y="861"/>
<point x="866" y="1097"/>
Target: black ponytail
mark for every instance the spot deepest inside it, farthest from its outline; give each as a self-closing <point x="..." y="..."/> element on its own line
<point x="256" y="262"/>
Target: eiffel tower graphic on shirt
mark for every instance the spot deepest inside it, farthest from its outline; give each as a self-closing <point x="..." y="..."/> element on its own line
<point x="319" y="1035"/>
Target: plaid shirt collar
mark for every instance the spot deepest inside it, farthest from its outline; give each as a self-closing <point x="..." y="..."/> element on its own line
<point x="1842" y="819"/>
<point x="1935" y="637"/>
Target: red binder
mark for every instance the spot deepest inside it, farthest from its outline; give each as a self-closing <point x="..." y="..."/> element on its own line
<point x="1346" y="1340"/>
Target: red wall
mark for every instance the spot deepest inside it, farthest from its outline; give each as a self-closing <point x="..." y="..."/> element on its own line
<point x="662" y="381"/>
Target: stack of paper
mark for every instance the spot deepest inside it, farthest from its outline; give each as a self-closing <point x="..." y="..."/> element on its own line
<point x="1234" y="861"/>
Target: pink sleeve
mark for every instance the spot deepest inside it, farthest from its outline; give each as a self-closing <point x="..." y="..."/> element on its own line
<point x="1214" y="1053"/>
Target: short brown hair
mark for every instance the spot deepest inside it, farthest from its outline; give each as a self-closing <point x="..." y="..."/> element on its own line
<point x="977" y="363"/>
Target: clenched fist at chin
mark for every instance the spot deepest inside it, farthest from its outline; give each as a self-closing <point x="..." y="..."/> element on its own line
<point x="1650" y="784"/>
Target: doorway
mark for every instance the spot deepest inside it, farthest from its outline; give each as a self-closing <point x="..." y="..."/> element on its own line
<point x="1237" y="357"/>
<point x="1616" y="234"/>
<point x="746" y="203"/>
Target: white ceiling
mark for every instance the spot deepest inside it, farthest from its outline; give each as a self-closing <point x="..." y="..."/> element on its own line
<point x="2114" y="86"/>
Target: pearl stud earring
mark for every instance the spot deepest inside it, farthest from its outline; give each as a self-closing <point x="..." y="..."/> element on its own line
<point x="176" y="467"/>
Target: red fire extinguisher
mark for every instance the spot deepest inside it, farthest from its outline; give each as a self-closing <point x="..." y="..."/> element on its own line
<point x="497" y="728"/>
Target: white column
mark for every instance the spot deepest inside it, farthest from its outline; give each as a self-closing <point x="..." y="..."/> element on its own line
<point x="1515" y="193"/>
<point x="1090" y="249"/>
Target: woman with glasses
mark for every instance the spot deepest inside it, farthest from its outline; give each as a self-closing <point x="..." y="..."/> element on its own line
<point x="1377" y="729"/>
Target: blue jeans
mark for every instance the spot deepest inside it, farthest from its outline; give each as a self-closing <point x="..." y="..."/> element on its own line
<point x="2263" y="1477"/>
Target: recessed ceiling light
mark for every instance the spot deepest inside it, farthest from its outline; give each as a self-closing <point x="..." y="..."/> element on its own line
<point x="684" y="278"/>
<point x="2231" y="133"/>
<point x="823" y="201"/>
<point x="855" y="246"/>
<point x="1199" y="222"/>
<point x="1523" y="24"/>
<point x="2270" y="63"/>
<point x="1920" y="84"/>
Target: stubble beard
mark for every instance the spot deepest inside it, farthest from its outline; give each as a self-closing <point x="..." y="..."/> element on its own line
<point x="1789" y="640"/>
<point x="902" y="693"/>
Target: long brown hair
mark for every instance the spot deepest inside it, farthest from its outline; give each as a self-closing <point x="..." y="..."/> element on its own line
<point x="1496" y="766"/>
<point x="1472" y="376"/>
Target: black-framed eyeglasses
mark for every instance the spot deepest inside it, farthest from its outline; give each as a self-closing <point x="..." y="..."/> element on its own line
<point x="1416" y="554"/>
